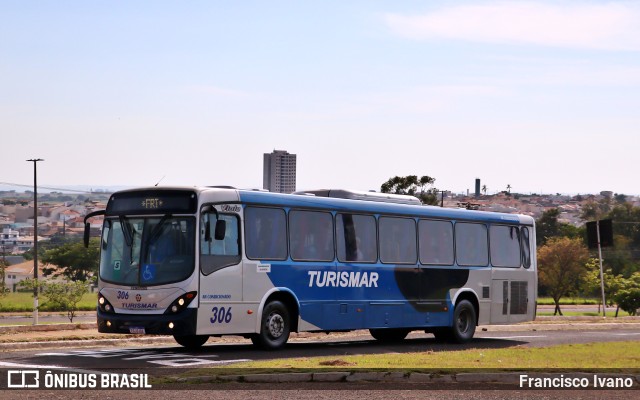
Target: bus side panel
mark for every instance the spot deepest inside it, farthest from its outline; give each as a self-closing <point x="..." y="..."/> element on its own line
<point x="222" y="309"/>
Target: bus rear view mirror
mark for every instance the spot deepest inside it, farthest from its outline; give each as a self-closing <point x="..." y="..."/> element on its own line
<point x="221" y="228"/>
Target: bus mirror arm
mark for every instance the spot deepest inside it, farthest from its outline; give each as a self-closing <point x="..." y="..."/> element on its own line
<point x="87" y="226"/>
<point x="220" y="228"/>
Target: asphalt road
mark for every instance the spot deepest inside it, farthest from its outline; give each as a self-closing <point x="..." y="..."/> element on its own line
<point x="160" y="360"/>
<point x="325" y="345"/>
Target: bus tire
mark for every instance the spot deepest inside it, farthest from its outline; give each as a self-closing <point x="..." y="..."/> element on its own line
<point x="388" y="334"/>
<point x="191" y="341"/>
<point x="274" y="328"/>
<point x="464" y="322"/>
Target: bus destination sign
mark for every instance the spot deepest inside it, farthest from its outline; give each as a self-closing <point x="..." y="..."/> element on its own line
<point x="152" y="202"/>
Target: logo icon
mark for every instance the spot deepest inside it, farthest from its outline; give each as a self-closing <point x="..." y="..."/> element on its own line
<point x="18" y="379"/>
<point x="138" y="297"/>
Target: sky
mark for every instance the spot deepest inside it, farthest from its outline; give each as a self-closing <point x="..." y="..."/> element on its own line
<point x="543" y="96"/>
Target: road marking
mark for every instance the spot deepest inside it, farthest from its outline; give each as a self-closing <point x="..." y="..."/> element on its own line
<point x="190" y="362"/>
<point x="513" y="337"/>
<point x="625" y="334"/>
<point x="16" y="365"/>
<point x="169" y="358"/>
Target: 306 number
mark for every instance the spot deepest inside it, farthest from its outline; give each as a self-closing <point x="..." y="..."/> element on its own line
<point x="123" y="295"/>
<point x="221" y="315"/>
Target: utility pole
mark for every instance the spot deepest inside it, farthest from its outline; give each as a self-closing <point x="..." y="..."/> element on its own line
<point x="604" y="303"/>
<point x="4" y="266"/>
<point x="35" y="238"/>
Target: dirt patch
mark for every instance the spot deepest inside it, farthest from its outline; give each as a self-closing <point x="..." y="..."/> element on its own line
<point x="337" y="363"/>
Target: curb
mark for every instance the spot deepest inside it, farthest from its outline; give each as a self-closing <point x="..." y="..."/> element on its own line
<point x="503" y="378"/>
<point x="46" y="328"/>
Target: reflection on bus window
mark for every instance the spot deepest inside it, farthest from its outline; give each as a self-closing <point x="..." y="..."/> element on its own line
<point x="266" y="233"/>
<point x="526" y="249"/>
<point x="356" y="238"/>
<point x="311" y="236"/>
<point x="505" y="246"/>
<point x="229" y="246"/>
<point x="471" y="244"/>
<point x="398" y="240"/>
<point x="436" y="242"/>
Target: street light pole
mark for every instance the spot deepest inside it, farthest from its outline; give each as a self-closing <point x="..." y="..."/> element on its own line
<point x="35" y="238"/>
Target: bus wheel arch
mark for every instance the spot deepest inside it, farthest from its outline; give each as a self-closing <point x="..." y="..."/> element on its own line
<point x="465" y="318"/>
<point x="464" y="322"/>
<point x="471" y="298"/>
<point x="278" y="318"/>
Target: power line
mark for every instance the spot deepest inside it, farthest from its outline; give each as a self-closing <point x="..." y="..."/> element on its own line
<point x="49" y="188"/>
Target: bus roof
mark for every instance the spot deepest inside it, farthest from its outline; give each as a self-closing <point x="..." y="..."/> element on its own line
<point x="377" y="207"/>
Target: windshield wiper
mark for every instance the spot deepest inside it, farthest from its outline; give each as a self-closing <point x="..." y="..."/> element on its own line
<point x="126" y="231"/>
<point x="157" y="230"/>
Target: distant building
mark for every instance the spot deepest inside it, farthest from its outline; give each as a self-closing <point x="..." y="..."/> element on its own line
<point x="279" y="172"/>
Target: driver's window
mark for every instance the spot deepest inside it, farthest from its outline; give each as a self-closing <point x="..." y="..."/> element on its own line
<point x="228" y="246"/>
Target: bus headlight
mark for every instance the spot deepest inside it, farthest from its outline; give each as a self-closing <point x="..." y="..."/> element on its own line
<point x="104" y="305"/>
<point x="181" y="303"/>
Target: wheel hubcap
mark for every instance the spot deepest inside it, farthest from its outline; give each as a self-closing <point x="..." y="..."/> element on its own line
<point x="463" y="322"/>
<point x="275" y="325"/>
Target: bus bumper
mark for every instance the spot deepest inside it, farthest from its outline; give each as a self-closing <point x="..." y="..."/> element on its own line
<point x="184" y="323"/>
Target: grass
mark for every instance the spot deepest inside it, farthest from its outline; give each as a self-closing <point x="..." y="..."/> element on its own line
<point x="23" y="301"/>
<point x="610" y="313"/>
<point x="583" y="357"/>
<point x="548" y="301"/>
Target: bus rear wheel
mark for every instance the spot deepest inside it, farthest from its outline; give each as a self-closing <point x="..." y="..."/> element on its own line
<point x="389" y="335"/>
<point x="274" y="328"/>
<point x="191" y="341"/>
<point x="464" y="325"/>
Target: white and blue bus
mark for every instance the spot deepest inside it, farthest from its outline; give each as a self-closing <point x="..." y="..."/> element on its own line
<point x="212" y="261"/>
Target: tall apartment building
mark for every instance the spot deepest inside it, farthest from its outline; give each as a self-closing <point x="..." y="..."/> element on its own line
<point x="279" y="172"/>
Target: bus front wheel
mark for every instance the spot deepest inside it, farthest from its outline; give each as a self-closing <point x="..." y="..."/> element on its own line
<point x="274" y="328"/>
<point x="191" y="341"/>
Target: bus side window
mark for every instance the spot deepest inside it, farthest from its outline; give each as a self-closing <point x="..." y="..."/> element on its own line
<point x="229" y="246"/>
<point x="311" y="235"/>
<point x="526" y="248"/>
<point x="356" y="238"/>
<point x="398" y="240"/>
<point x="471" y="244"/>
<point x="265" y="232"/>
<point x="505" y="246"/>
<point x="217" y="254"/>
<point x="436" y="242"/>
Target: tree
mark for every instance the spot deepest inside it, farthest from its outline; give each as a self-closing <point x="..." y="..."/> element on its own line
<point x="63" y="296"/>
<point x="77" y="262"/>
<point x="484" y="189"/>
<point x="620" y="198"/>
<point x="421" y="188"/>
<point x="628" y="297"/>
<point x="547" y="226"/>
<point x="561" y="265"/>
<point x="509" y="188"/>
<point x="592" y="287"/>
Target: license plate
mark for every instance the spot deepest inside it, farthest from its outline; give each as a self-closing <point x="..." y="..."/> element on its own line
<point x="136" y="329"/>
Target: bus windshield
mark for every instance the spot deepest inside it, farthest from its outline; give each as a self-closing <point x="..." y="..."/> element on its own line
<point x="147" y="251"/>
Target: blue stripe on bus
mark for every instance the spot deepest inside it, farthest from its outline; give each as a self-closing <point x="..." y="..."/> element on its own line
<point x="360" y="206"/>
<point x="354" y="296"/>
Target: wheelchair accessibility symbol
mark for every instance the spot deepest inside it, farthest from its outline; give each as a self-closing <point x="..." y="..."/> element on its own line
<point x="149" y="272"/>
